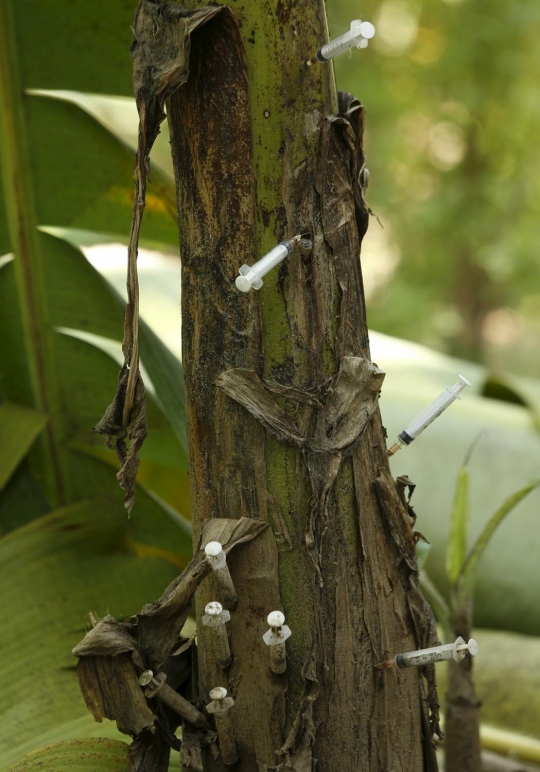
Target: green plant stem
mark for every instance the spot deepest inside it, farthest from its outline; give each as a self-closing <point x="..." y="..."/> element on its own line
<point x="438" y="604"/>
<point x="28" y="262"/>
<point x="466" y="579"/>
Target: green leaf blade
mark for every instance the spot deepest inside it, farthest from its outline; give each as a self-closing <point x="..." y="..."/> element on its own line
<point x="87" y="755"/>
<point x="470" y="565"/>
<point x="459" y="524"/>
<point x="53" y="571"/>
<point x="19" y="427"/>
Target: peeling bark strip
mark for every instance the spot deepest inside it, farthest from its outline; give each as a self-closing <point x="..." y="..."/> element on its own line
<point x="399" y="520"/>
<point x="351" y="400"/>
<point x="113" y="655"/>
<point x="341" y="182"/>
<point x="160" y="55"/>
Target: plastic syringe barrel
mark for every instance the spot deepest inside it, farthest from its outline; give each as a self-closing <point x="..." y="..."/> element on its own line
<point x="272" y="258"/>
<point x="432" y="411"/>
<point x="455" y="651"/>
<point x="339" y="45"/>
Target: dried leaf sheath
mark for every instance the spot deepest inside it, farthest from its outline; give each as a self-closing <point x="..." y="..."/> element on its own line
<point x="160" y="53"/>
<point x="113" y="654"/>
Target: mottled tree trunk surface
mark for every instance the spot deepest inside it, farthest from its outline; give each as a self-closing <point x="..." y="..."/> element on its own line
<point x="283" y="423"/>
<point x="462" y="721"/>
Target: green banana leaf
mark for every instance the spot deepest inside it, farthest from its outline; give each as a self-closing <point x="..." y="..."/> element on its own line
<point x="53" y="571"/>
<point x="19" y="427"/>
<point x="457" y="546"/>
<point x="101" y="755"/>
<point x="62" y="554"/>
<point x="119" y="116"/>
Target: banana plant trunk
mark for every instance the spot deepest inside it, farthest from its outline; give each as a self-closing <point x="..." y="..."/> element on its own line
<point x="283" y="423"/>
<point x="462" y="747"/>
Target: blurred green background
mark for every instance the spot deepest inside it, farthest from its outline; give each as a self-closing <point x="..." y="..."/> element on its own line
<point x="451" y="89"/>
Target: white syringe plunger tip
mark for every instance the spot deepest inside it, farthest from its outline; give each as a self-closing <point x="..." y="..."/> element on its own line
<point x="463" y="380"/>
<point x="473" y="647"/>
<point x="243" y="284"/>
<point x="367" y="29"/>
<point x="218" y="693"/>
<point x="275" y="618"/>
<point x="213" y="608"/>
<point x="213" y="549"/>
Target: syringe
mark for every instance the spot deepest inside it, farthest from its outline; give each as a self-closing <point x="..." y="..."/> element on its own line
<point x="359" y="35"/>
<point x="427" y="416"/>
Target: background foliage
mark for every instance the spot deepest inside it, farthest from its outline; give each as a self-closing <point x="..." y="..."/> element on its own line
<point x="451" y="91"/>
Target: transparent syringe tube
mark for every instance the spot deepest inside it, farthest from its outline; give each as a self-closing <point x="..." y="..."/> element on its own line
<point x="455" y="651"/>
<point x="427" y="416"/>
<point x="251" y="276"/>
<point x="359" y="35"/>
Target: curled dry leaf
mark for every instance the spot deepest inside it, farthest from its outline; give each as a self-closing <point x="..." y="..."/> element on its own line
<point x="113" y="654"/>
<point x="350" y="401"/>
<point x="160" y="53"/>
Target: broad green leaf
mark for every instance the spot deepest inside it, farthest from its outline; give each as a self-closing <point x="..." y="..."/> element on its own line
<point x="78" y="728"/>
<point x="119" y="116"/>
<point x="86" y="47"/>
<point x="70" y="172"/>
<point x="157" y="479"/>
<point x="22" y="500"/>
<point x="459" y="525"/>
<point x="60" y="130"/>
<point x="89" y="381"/>
<point x="99" y="310"/>
<point x="19" y="427"/>
<point x="52" y="573"/>
<point x="153" y="527"/>
<point x="81" y="755"/>
<point x="80" y="299"/>
<point x="524" y="391"/>
<point x="78" y="237"/>
<point x="440" y="607"/>
<point x="470" y="566"/>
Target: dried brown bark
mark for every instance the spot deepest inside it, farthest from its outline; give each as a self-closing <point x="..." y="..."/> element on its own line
<point x="331" y="561"/>
<point x="462" y="749"/>
<point x="113" y="655"/>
